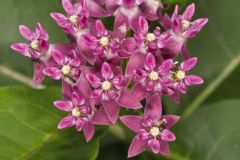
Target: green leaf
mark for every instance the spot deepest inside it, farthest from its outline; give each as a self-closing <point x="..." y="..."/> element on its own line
<point x="28" y="119"/>
<point x="28" y="128"/>
<point x="26" y="12"/>
<point x="69" y="145"/>
<point x="211" y="133"/>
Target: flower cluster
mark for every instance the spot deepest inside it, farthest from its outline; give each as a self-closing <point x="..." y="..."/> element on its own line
<point x="127" y="66"/>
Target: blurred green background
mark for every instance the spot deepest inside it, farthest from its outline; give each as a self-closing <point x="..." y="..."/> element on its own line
<point x="210" y="125"/>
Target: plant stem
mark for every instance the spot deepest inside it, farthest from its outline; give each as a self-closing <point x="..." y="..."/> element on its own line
<point x="18" y="77"/>
<point x="212" y="87"/>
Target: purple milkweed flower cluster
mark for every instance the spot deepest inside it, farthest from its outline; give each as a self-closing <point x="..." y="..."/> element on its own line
<point x="96" y="84"/>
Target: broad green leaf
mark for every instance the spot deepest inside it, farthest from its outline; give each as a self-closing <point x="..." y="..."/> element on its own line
<point x="211" y="133"/>
<point x="26" y="12"/>
<point x="28" y="123"/>
<point x="28" y="119"/>
<point x="69" y="145"/>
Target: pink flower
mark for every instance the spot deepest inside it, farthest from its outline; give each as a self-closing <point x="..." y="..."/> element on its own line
<point x="180" y="29"/>
<point x="81" y="115"/>
<point x="94" y="8"/>
<point x="152" y="129"/>
<point x="67" y="67"/>
<point x="181" y="77"/>
<point x="106" y="44"/>
<point x="126" y="11"/>
<point x="37" y="49"/>
<point x="109" y="90"/>
<point x="152" y="9"/>
<point x="37" y="46"/>
<point x="146" y="40"/>
<point x="104" y="69"/>
<point x="153" y="79"/>
<point x="76" y="19"/>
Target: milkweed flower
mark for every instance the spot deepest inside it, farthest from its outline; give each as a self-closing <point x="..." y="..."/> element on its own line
<point x="67" y="67"/>
<point x="152" y="129"/>
<point x="109" y="90"/>
<point x="181" y="77"/>
<point x="37" y="43"/>
<point x="104" y="69"/>
<point x="76" y="21"/>
<point x="152" y="78"/>
<point x="81" y="115"/>
<point x="180" y="29"/>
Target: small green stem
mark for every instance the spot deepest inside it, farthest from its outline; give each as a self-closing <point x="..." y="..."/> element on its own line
<point x="18" y="77"/>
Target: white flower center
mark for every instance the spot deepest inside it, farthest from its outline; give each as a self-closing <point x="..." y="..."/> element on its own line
<point x="35" y="45"/>
<point x="123" y="28"/>
<point x="180" y="75"/>
<point x="76" y="112"/>
<point x="185" y="25"/>
<point x="74" y="19"/>
<point x="154" y="131"/>
<point x="151" y="37"/>
<point x="66" y="69"/>
<point x="153" y="76"/>
<point x="106" y="85"/>
<point x="104" y="41"/>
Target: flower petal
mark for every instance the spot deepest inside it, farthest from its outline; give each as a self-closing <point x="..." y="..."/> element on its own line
<point x="188" y="13"/>
<point x="21" y="48"/>
<point x="53" y="72"/>
<point x="67" y="89"/>
<point x="93" y="80"/>
<point x="135" y="62"/>
<point x="137" y="146"/>
<point x="128" y="100"/>
<point x="95" y="10"/>
<point x="193" y="80"/>
<point x="38" y="76"/>
<point x="171" y="120"/>
<point x="77" y="99"/>
<point x="167" y="135"/>
<point x="150" y="61"/>
<point x="112" y="110"/>
<point x="90" y="40"/>
<point x="88" y="130"/>
<point x="139" y="91"/>
<point x="40" y="31"/>
<point x="58" y="57"/>
<point x="66" y="122"/>
<point x="68" y="7"/>
<point x="195" y="27"/>
<point x="83" y="87"/>
<point x="143" y="25"/>
<point x="164" y="148"/>
<point x="79" y="123"/>
<point x="101" y="30"/>
<point x="132" y="122"/>
<point x="111" y="5"/>
<point x="189" y="64"/>
<point x="64" y="105"/>
<point x="100" y="118"/>
<point x="165" y="67"/>
<point x="154" y="107"/>
<point x="154" y="144"/>
<point x="106" y="71"/>
<point x="26" y="32"/>
<point x="60" y="19"/>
